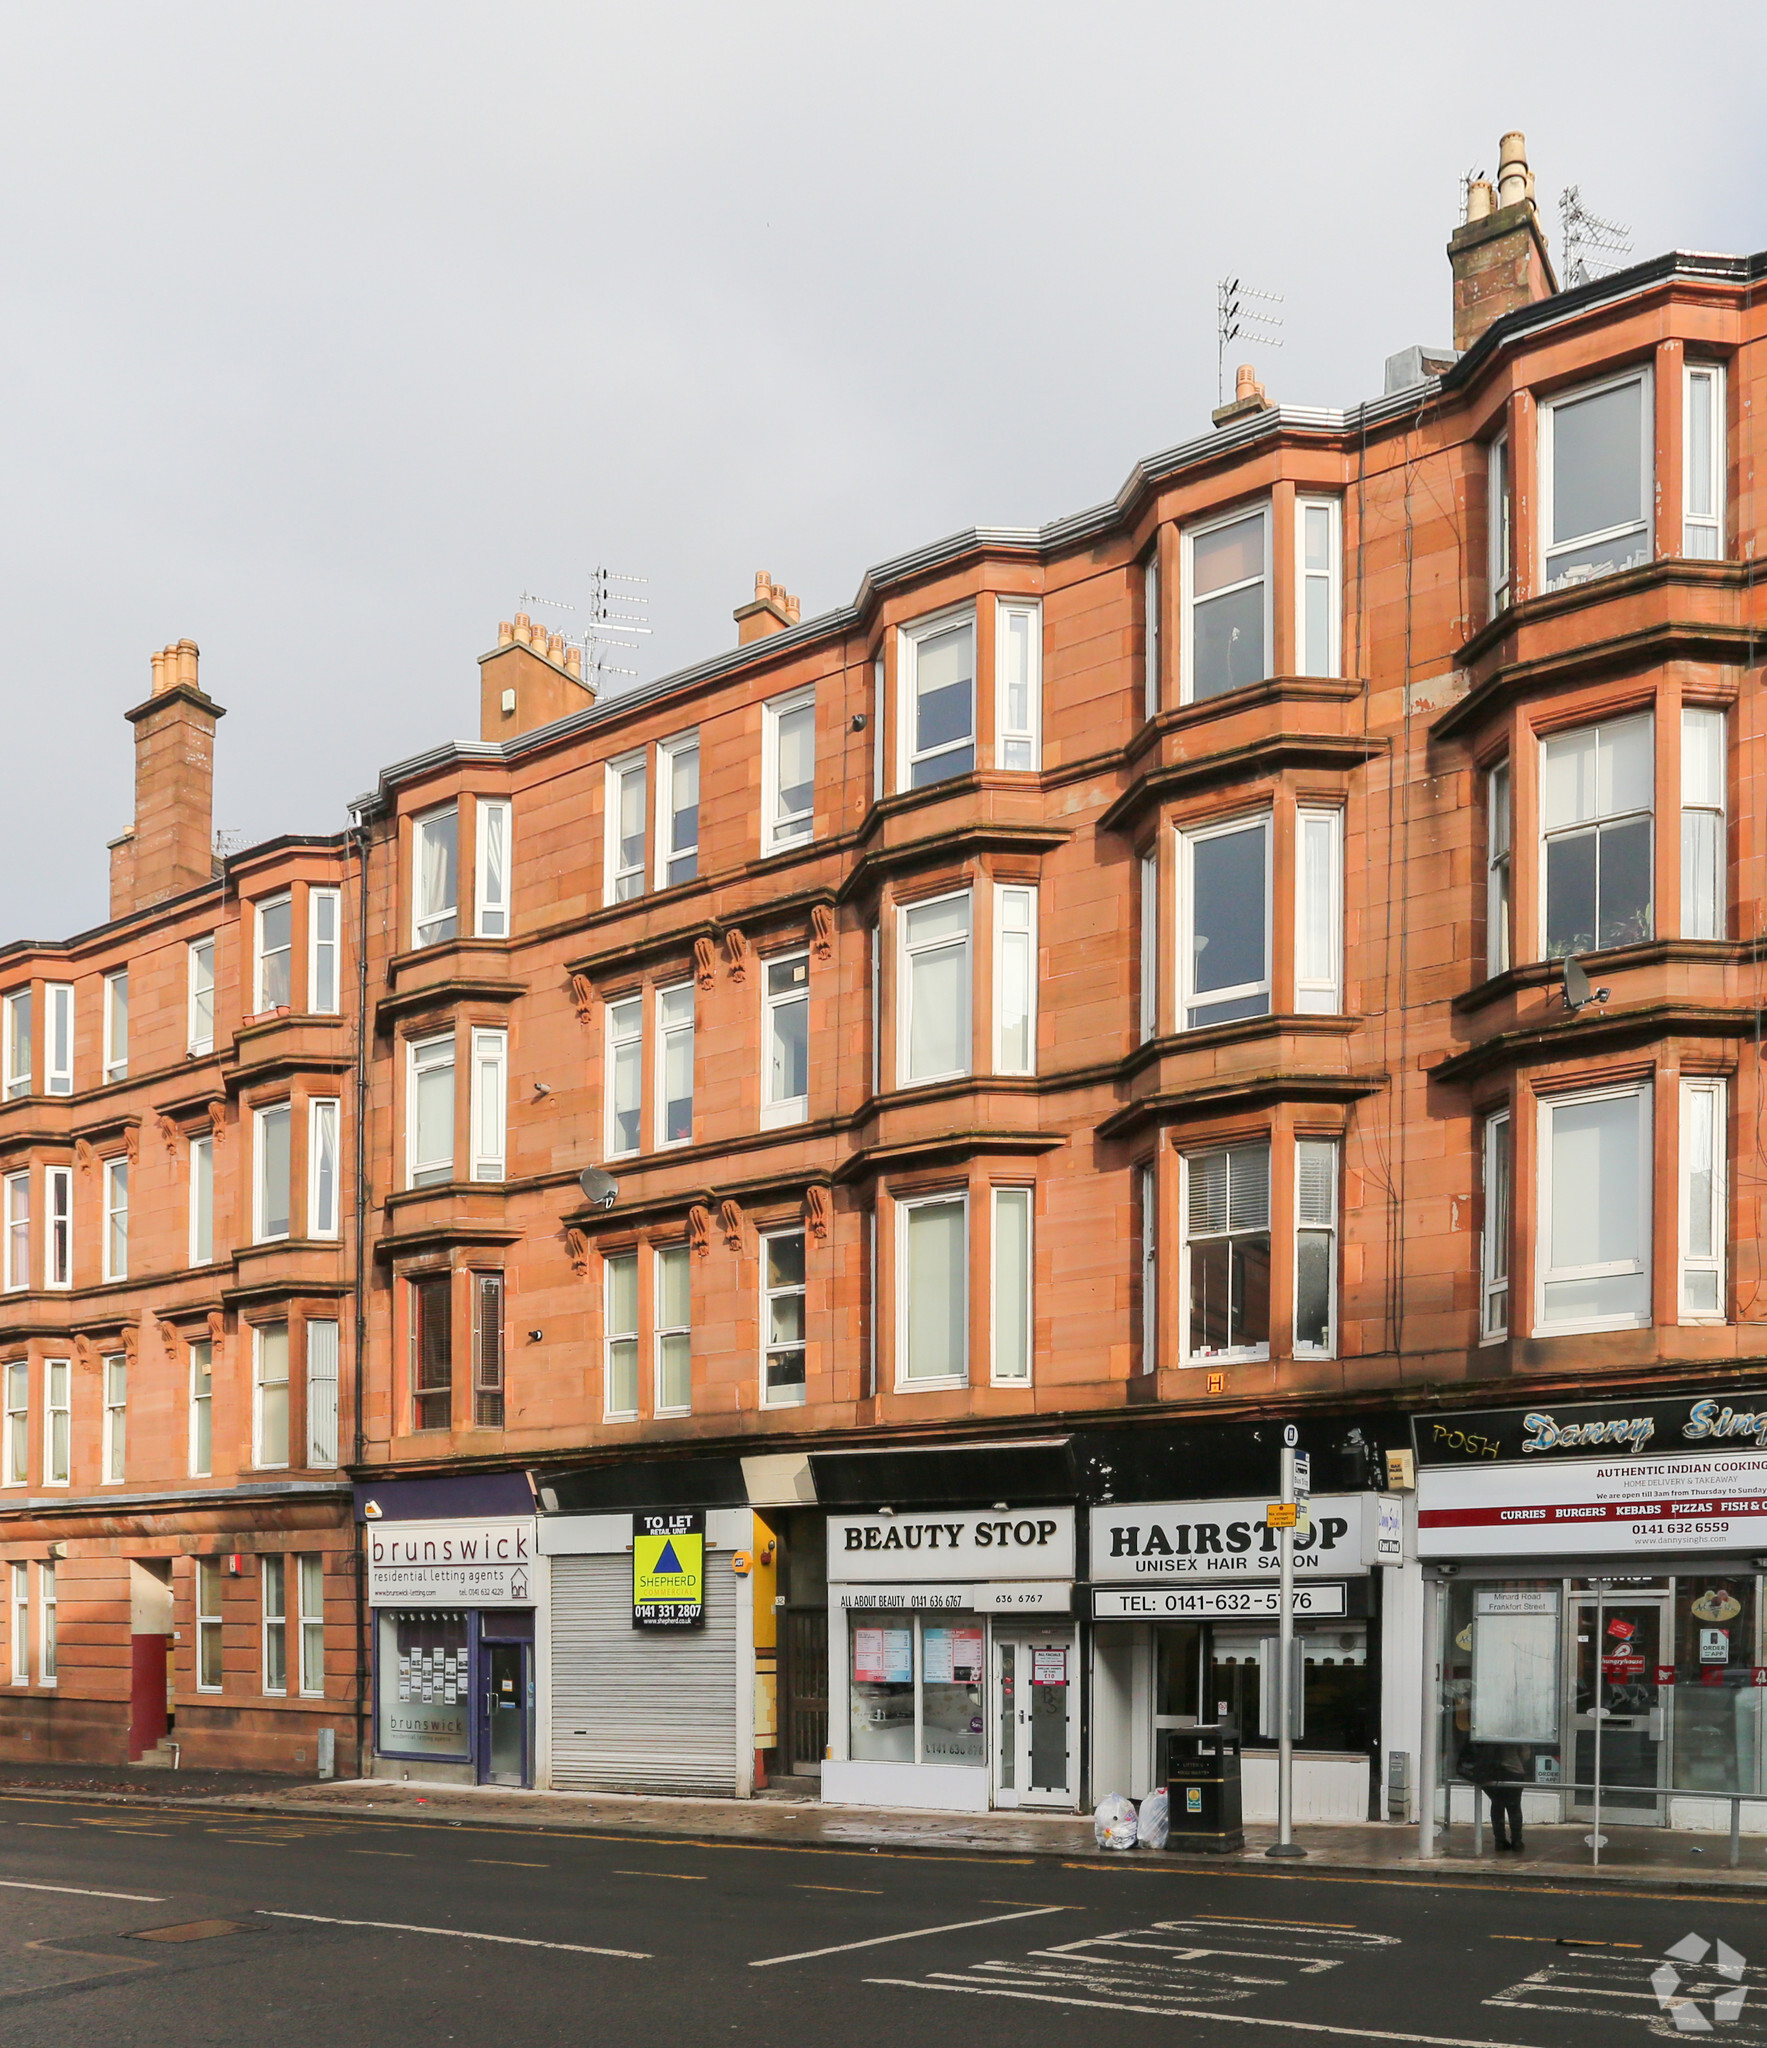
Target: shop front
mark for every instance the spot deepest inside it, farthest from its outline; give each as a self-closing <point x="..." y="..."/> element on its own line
<point x="1597" y="1595"/>
<point x="453" y="1580"/>
<point x="954" y="1659"/>
<point x="1185" y="1631"/>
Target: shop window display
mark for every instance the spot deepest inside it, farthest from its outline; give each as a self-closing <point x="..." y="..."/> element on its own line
<point x="1335" y="1706"/>
<point x="916" y="1689"/>
<point x="1717" y="1702"/>
<point x="425" y="1685"/>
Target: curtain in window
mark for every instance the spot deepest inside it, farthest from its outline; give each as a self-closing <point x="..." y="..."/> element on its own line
<point x="937" y="1303"/>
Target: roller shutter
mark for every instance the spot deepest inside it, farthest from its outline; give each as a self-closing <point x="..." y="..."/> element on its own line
<point x="640" y="1710"/>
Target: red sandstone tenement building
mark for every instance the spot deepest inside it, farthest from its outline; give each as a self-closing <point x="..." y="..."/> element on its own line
<point x="1098" y="996"/>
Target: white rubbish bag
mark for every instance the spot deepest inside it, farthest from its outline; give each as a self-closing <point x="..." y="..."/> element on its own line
<point x="1153" y="1821"/>
<point x="1113" y="1822"/>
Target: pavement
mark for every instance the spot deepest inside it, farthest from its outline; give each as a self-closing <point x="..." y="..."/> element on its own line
<point x="142" y="1925"/>
<point x="1552" y="1853"/>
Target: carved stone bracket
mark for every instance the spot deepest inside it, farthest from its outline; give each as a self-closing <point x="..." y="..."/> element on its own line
<point x="740" y="954"/>
<point x="818" y="1211"/>
<point x="699" y="1231"/>
<point x="168" y="1335"/>
<point x="169" y="1132"/>
<point x="217" y="1327"/>
<point x="582" y="997"/>
<point x="83" y="1353"/>
<point x="822" y="924"/>
<point x="129" y="1338"/>
<point x="730" y="1222"/>
<point x="132" y="1143"/>
<point x="577" y="1246"/>
<point x="217" y="1121"/>
<point x="705" y="963"/>
<point x="84" y="1156"/>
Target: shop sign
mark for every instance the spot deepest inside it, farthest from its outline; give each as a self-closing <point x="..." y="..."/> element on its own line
<point x="1592" y="1429"/>
<point x="1014" y="1596"/>
<point x="1190" y="1603"/>
<point x="958" y="1543"/>
<point x="450" y="1564"/>
<point x="1594" y="1506"/>
<point x="669" y="1570"/>
<point x="1230" y="1539"/>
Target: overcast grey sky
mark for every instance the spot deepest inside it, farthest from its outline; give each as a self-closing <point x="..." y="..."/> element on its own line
<point x="331" y="329"/>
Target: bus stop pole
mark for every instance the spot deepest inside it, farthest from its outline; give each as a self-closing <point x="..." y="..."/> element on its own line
<point x="1428" y="1735"/>
<point x="1285" y="1846"/>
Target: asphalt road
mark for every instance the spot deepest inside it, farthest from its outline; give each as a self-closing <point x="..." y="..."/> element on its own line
<point x="326" y="1934"/>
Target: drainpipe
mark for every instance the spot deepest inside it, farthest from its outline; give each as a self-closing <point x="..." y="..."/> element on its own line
<point x="364" y="1664"/>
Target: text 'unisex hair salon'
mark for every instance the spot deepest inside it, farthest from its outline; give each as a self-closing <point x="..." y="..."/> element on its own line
<point x="1600" y="1601"/>
<point x="953" y="1663"/>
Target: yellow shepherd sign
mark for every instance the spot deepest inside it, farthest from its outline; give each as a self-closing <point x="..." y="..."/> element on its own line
<point x="669" y="1570"/>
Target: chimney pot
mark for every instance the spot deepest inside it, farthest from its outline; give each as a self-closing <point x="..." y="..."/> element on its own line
<point x="1513" y="178"/>
<point x="505" y="633"/>
<point x="1481" y="200"/>
<point x="1498" y="254"/>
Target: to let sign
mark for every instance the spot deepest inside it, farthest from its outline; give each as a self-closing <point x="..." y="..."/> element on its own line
<point x="669" y="1570"/>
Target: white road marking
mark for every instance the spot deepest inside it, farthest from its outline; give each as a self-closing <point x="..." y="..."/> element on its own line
<point x="576" y="1948"/>
<point x="17" y="1884"/>
<point x="912" y="1934"/>
<point x="1181" y="2012"/>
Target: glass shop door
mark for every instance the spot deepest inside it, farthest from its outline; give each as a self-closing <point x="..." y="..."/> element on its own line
<point x="1618" y="1646"/>
<point x="1037" y="1718"/>
<point x="503" y="1727"/>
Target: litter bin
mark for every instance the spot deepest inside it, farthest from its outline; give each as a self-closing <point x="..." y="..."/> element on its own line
<point x="1202" y="1792"/>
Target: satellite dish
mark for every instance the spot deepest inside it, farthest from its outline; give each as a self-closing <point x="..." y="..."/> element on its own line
<point x="600" y="1189"/>
<point x="1577" y="991"/>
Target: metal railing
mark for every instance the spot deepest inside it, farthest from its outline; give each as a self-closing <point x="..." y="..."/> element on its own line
<point x="1632" y="1793"/>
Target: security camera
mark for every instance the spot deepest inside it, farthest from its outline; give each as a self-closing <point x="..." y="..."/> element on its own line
<point x="600" y="1189"/>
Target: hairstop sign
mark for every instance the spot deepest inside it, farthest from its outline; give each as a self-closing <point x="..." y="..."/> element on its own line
<point x="669" y="1570"/>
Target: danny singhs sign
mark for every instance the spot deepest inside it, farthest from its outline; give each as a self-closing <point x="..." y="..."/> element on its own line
<point x="1028" y="1543"/>
<point x="451" y="1564"/>
<point x="1495" y="1436"/>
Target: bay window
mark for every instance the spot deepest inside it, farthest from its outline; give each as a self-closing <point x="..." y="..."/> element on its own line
<point x="1595" y="466"/>
<point x="15" y="1044"/>
<point x="1226" y="604"/>
<point x="272" y="951"/>
<point x="1150" y="631"/>
<point x="270" y="1182"/>
<point x="1318" y="578"/>
<point x="674" y="1330"/>
<point x="491" y="868"/>
<point x="432" y="1351"/>
<point x="1146" y="1183"/>
<point x="1316" y="1258"/>
<point x="1494" y="1237"/>
<point x="429" y="1112"/>
<point x="1497" y="869"/>
<point x="1702" y="1200"/>
<point x="21" y="1622"/>
<point x="674" y="1067"/>
<point x="1150" y="944"/>
<point x="1227" y="1254"/>
<point x="58" y="1421"/>
<point x="625" y="1076"/>
<point x="786" y="999"/>
<point x="1018" y="684"/>
<point x="116" y="1025"/>
<point x="937" y="667"/>
<point x="1704" y="862"/>
<point x="1596" y="829"/>
<point x="1319" y="912"/>
<point x="1594" y="1211"/>
<point x="619" y="1379"/>
<point x="783" y="1327"/>
<point x="270" y="1395"/>
<point x="489" y="1104"/>
<point x="1224" y="922"/>
<point x="324" y="951"/>
<point x="274" y="1571"/>
<point x="788" y="771"/>
<point x="114" y="1458"/>
<point x="202" y="1407"/>
<point x="322" y="1167"/>
<point x="1702" y="462"/>
<point x="932" y="1311"/>
<point x="1011" y="1318"/>
<point x="310" y="1580"/>
<point x="677" y="852"/>
<point x="933" y="1042"/>
<point x="625" y="829"/>
<point x="435" y="915"/>
<point x="200" y="982"/>
<point x="1497" y="527"/>
<point x="202" y="1201"/>
<point x="487" y="1351"/>
<point x="1015" y="980"/>
<point x="47" y="1611"/>
<point x="16" y="1422"/>
<point x="116" y="1219"/>
<point x="58" y="1233"/>
<point x="58" y="1000"/>
<point x="15" y="1232"/>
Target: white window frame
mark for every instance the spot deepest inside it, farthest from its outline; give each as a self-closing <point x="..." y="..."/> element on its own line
<point x="1548" y="417"/>
<point x="907" y="1383"/>
<point x="273" y="1573"/>
<point x="623" y="883"/>
<point x="114" y="1371"/>
<point x="200" y="1200"/>
<point x="908" y="643"/>
<point x="201" y="1401"/>
<point x="1188" y="537"/>
<point x="1018" y="743"/>
<point x="1499" y="547"/>
<point x="1697" y="802"/>
<point x="15" y="1232"/>
<point x="1712" y="1090"/>
<point x="15" y="1402"/>
<point x="207" y="1620"/>
<point x="16" y="1075"/>
<point x="1151" y="638"/>
<point x="1543" y="1272"/>
<point x="1499" y="864"/>
<point x="58" y="1227"/>
<point x="1238" y="1354"/>
<point x="615" y="1036"/>
<point x="874" y="940"/>
<point x="489" y="1109"/>
<point x="262" y="955"/>
<point x="199" y="965"/>
<point x="322" y="1340"/>
<point x="1319" y="883"/>
<point x="1546" y="834"/>
<point x="58" y="1038"/>
<point x="423" y="1056"/>
<point x="782" y="830"/>
<point x="667" y="1033"/>
<point x="21" y="1622"/>
<point x="794" y="1397"/>
<point x="58" y="1404"/>
<point x="493" y="894"/>
<point x="1189" y="838"/>
<point x="260" y="1384"/>
<point x="1001" y="1374"/>
<point x="1015" y="930"/>
<point x="116" y="1025"/>
<point x="1148" y="1177"/>
<point x="662" y="1329"/>
<point x="116" y="1219"/>
<point x="610" y="1336"/>
<point x="668" y="752"/>
<point x="1332" y="576"/>
<point x="1149" y="869"/>
<point x="1315" y="1226"/>
<point x="325" y="951"/>
<point x="261" y="1190"/>
<point x="783" y="1109"/>
<point x="324" y="1128"/>
<point x="1702" y="533"/>
<point x="877" y="727"/>
<point x="426" y="926"/>
<point x="48" y="1613"/>
<point x="1497" y="1232"/>
<point x="906" y="953"/>
<point x="310" y="1564"/>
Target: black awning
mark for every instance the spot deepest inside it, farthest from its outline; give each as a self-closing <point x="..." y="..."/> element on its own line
<point x="639" y="1483"/>
<point x="952" y="1476"/>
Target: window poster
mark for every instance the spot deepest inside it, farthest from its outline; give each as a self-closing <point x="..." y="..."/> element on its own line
<point x="1049" y="1667"/>
<point x="1515" y="1666"/>
<point x="951" y="1656"/>
<point x="883" y="1656"/>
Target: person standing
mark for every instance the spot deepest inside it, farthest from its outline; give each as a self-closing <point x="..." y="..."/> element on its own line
<point x="1510" y="1763"/>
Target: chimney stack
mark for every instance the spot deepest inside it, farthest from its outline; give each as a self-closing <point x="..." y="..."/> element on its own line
<point x="529" y="679"/>
<point x="1498" y="254"/>
<point x="772" y="611"/>
<point x="1249" y="396"/>
<point x="170" y="847"/>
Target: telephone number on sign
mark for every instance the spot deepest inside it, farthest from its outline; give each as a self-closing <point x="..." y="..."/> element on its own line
<point x="1650" y="1530"/>
<point x="1109" y="1602"/>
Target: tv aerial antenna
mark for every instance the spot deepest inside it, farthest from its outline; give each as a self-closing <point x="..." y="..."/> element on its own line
<point x="1235" y="320"/>
<point x="1593" y="247"/>
<point x="607" y="619"/>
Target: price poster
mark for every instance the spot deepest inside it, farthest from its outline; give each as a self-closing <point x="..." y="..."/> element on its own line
<point x="669" y="1570"/>
<point x="1049" y="1667"/>
<point x="883" y="1656"/>
<point x="952" y="1656"/>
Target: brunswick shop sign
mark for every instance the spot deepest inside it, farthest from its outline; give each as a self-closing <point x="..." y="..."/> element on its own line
<point x="1596" y="1429"/>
